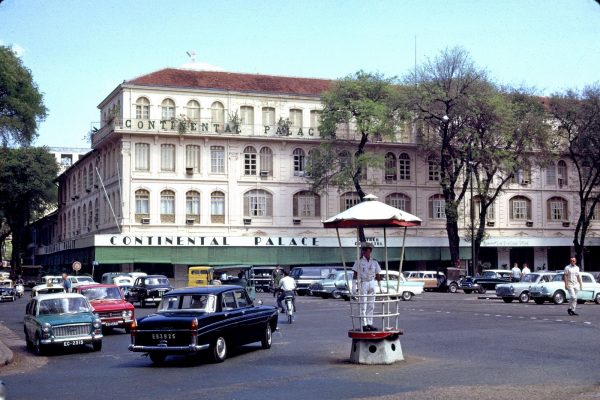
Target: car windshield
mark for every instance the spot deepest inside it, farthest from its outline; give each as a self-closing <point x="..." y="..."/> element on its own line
<point x="70" y="305"/>
<point x="156" y="281"/>
<point x="558" y="277"/>
<point x="196" y="302"/>
<point x="102" y="293"/>
<point x="530" y="278"/>
<point x="489" y="274"/>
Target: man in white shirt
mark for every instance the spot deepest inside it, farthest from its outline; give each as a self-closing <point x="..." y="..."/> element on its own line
<point x="515" y="273"/>
<point x="368" y="272"/>
<point x="287" y="285"/>
<point x="572" y="279"/>
<point x="525" y="270"/>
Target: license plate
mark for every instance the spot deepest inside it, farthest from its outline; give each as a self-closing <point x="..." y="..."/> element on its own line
<point x="112" y="323"/>
<point x="73" y="343"/>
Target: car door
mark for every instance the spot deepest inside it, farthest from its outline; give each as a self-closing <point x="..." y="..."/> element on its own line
<point x="588" y="292"/>
<point x="29" y="320"/>
<point x="232" y="322"/>
<point x="135" y="290"/>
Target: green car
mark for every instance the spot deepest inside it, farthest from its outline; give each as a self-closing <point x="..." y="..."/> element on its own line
<point x="61" y="320"/>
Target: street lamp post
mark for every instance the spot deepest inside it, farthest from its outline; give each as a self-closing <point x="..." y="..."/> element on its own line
<point x="472" y="208"/>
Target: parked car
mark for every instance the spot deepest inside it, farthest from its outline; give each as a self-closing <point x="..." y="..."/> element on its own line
<point x="262" y="278"/>
<point x="212" y="318"/>
<point x="432" y="280"/>
<point x="109" y="304"/>
<point x="61" y="320"/>
<point x="123" y="282"/>
<point x="520" y="290"/>
<point x="487" y="281"/>
<point x="393" y="282"/>
<point x="47" y="288"/>
<point x="81" y="280"/>
<point x="555" y="290"/>
<point x="148" y="289"/>
<point x="7" y="291"/>
<point x="332" y="286"/>
<point x="306" y="275"/>
<point x="54" y="279"/>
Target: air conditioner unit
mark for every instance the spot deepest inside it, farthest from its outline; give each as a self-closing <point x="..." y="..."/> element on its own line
<point x="264" y="173"/>
<point x="491" y="223"/>
<point x="297" y="221"/>
<point x="525" y="182"/>
<point x="190" y="221"/>
<point x="561" y="182"/>
<point x="529" y="223"/>
<point x="389" y="177"/>
<point x="145" y="220"/>
<point x="247" y="221"/>
<point x="189" y="171"/>
<point x="88" y="190"/>
<point x="566" y="224"/>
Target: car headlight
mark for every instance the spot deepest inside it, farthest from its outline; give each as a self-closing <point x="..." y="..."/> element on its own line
<point x="97" y="323"/>
<point x="46" y="327"/>
<point x="126" y="313"/>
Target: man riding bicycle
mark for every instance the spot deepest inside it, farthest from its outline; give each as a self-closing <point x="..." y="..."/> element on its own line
<point x="287" y="286"/>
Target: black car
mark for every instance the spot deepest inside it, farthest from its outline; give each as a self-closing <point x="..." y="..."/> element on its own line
<point x="148" y="289"/>
<point x="194" y="319"/>
<point x="487" y="281"/>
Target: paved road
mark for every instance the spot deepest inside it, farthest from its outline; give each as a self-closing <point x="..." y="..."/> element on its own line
<point x="455" y="345"/>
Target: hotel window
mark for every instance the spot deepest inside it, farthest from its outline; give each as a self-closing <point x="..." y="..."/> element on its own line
<point x="217" y="207"/>
<point x="192" y="205"/>
<point x="437" y="207"/>
<point x="90" y="215"/>
<point x="362" y="165"/>
<point x="167" y="157"/>
<point x="299" y="162"/>
<point x="315" y="121"/>
<point x="249" y="161"/>
<point x="217" y="115"/>
<point x="390" y="167"/>
<point x="520" y="208"/>
<point x="434" y="168"/>
<point x="312" y="161"/>
<point x="398" y="200"/>
<point x="167" y="109"/>
<point x="167" y="206"/>
<point x="348" y="200"/>
<point x="306" y="204"/>
<point x="85" y="176"/>
<point x="551" y="174"/>
<point x="142" y="157"/>
<point x="491" y="210"/>
<point x="594" y="215"/>
<point x="557" y="209"/>
<point x="84" y="225"/>
<point x="266" y="161"/>
<point x="142" y="108"/>
<point x="193" y="111"/>
<point x="192" y="157"/>
<point x="91" y="175"/>
<point x="142" y="202"/>
<point x="96" y="212"/>
<point x="217" y="159"/>
<point x="344" y="159"/>
<point x="404" y="166"/>
<point x="522" y="176"/>
<point x="247" y="117"/>
<point x="561" y="173"/>
<point x="296" y="118"/>
<point x="258" y="203"/>
<point x="268" y="116"/>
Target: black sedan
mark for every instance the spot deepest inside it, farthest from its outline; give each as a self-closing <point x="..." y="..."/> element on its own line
<point x="148" y="289"/>
<point x="213" y="318"/>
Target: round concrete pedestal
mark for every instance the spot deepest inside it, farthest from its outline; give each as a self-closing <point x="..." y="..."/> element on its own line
<point x="375" y="347"/>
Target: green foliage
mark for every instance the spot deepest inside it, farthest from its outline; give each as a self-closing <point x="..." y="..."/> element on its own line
<point x="21" y="103"/>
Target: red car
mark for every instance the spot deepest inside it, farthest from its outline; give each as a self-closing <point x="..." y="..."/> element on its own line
<point x="109" y="304"/>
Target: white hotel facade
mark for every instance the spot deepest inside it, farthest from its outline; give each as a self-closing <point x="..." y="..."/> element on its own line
<point x="208" y="168"/>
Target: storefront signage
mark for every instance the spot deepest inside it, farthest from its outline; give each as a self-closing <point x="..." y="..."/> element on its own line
<point x="166" y="240"/>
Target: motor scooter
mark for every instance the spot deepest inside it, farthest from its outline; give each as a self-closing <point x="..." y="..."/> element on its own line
<point x="20" y="289"/>
<point x="289" y="307"/>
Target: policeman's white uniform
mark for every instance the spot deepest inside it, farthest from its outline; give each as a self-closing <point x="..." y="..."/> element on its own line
<point x="366" y="271"/>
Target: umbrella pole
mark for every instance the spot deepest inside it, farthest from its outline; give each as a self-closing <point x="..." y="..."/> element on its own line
<point x="337" y="232"/>
<point x="401" y="257"/>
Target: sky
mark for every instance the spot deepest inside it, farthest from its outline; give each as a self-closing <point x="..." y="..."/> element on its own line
<point x="80" y="50"/>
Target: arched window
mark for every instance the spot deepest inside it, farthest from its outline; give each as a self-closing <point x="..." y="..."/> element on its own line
<point x="390" y="167"/>
<point x="142" y="108"/>
<point x="90" y="218"/>
<point x="557" y="209"/>
<point x="520" y="208"/>
<point x="85" y="176"/>
<point x="167" y="109"/>
<point x="490" y="215"/>
<point x="217" y="116"/>
<point x="192" y="110"/>
<point x="217" y="207"/>
<point x="167" y="206"/>
<point x="437" y="207"/>
<point x="296" y="118"/>
<point x="266" y="161"/>
<point x="399" y="200"/>
<point x="247" y="118"/>
<point x="84" y="217"/>
<point x="249" y="161"/>
<point x="349" y="199"/>
<point x="192" y="206"/>
<point x="258" y="203"/>
<point x="551" y="173"/>
<point x="404" y="167"/>
<point x="434" y="168"/>
<point x="299" y="162"/>
<point x="306" y="204"/>
<point x="142" y="202"/>
<point x="96" y="213"/>
<point x="561" y="172"/>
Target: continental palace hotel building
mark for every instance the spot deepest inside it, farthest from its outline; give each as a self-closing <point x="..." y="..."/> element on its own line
<point x="196" y="167"/>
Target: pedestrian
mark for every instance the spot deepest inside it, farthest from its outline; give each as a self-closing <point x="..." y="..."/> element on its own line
<point x="367" y="271"/>
<point x="572" y="279"/>
<point x="515" y="273"/>
<point x="277" y="275"/>
<point x="525" y="270"/>
<point x="66" y="282"/>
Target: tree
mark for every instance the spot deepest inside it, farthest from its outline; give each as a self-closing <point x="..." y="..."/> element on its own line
<point x="21" y="103"/>
<point x="27" y="190"/>
<point x="356" y="110"/>
<point x="577" y="115"/>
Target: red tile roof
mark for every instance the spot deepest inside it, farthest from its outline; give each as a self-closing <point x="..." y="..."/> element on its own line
<point x="189" y="79"/>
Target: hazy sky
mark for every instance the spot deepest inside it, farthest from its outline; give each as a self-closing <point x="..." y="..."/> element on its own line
<point x="79" y="51"/>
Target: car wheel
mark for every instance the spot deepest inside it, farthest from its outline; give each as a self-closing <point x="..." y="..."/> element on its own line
<point x="336" y="294"/>
<point x="539" y="301"/>
<point x="38" y="347"/>
<point x="157" y="358"/>
<point x="507" y="299"/>
<point x="453" y="288"/>
<point x="559" y="297"/>
<point x="267" y="338"/>
<point x="481" y="290"/>
<point x="467" y="291"/>
<point x="97" y="345"/>
<point x="219" y="349"/>
<point x="324" y="296"/>
<point x="597" y="298"/>
<point x="406" y="296"/>
<point x="524" y="297"/>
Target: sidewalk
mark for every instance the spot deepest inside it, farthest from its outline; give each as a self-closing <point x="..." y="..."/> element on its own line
<point x="7" y="337"/>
